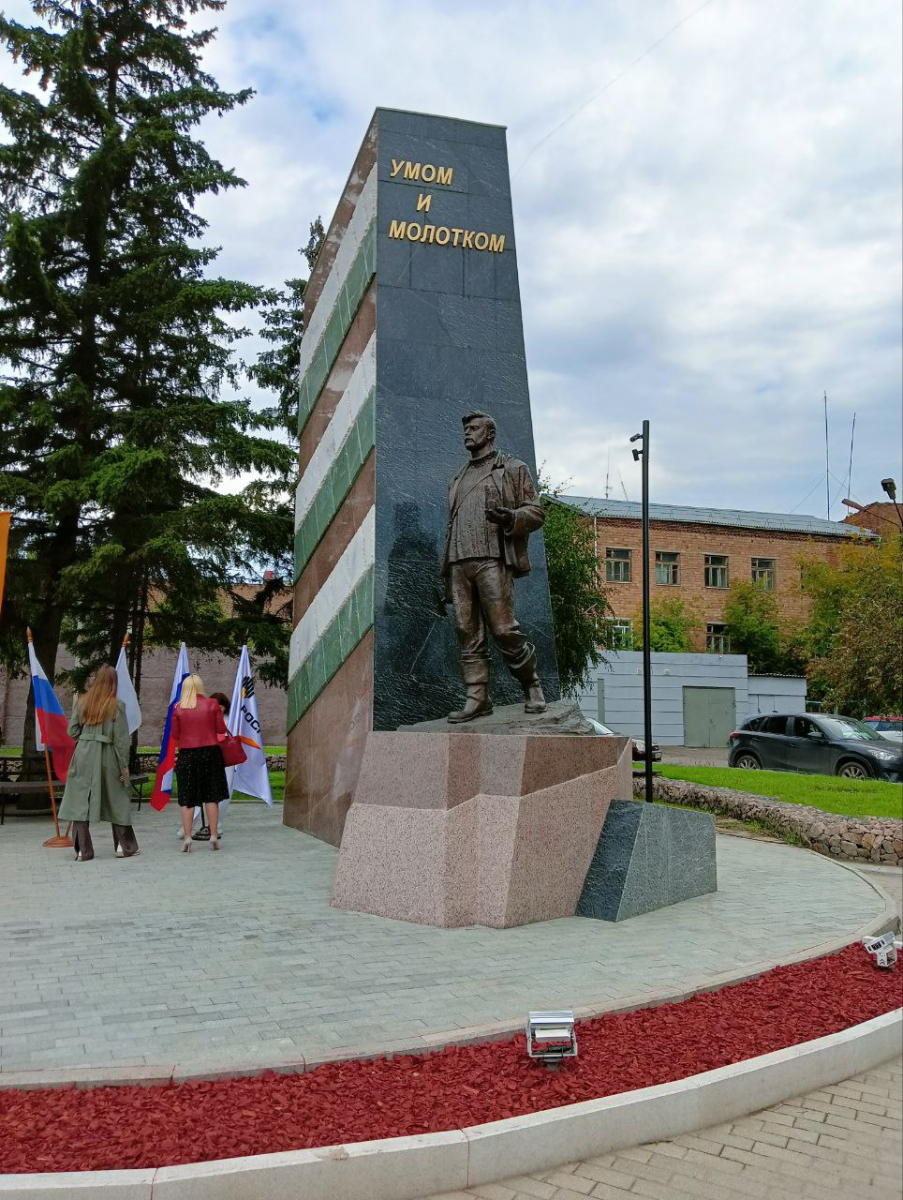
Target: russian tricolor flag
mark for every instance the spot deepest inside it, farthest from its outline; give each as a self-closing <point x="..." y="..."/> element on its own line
<point x="51" y="729"/>
<point x="162" y="792"/>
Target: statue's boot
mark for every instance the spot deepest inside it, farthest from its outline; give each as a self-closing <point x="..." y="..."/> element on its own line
<point x="534" y="697"/>
<point x="477" y="704"/>
<point x="525" y="673"/>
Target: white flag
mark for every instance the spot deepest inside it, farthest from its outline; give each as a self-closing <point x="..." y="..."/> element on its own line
<point x="126" y="692"/>
<point x="250" y="777"/>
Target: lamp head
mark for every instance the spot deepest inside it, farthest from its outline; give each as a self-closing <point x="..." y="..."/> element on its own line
<point x="890" y="488"/>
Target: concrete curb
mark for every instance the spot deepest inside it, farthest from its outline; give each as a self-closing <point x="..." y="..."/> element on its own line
<point x="246" y="1066"/>
<point x="410" y="1167"/>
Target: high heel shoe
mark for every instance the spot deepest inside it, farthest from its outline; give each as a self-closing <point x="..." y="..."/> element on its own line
<point x="214" y="844"/>
<point x="186" y="845"/>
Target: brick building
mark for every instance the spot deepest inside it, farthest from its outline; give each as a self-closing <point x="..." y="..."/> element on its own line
<point x="218" y="674"/>
<point x="696" y="553"/>
<point x="157" y="667"/>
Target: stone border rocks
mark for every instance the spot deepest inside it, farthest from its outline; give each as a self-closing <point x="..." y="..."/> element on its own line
<point x="854" y="839"/>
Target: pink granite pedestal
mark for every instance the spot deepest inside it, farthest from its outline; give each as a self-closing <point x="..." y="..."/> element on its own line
<point x="477" y="829"/>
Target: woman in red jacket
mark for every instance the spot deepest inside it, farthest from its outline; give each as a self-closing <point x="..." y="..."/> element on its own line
<point x="197" y="723"/>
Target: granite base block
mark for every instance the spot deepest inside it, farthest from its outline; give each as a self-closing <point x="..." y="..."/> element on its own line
<point x="648" y="857"/>
<point x="451" y="829"/>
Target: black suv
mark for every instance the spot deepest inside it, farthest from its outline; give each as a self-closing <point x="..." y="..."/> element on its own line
<point x="815" y="744"/>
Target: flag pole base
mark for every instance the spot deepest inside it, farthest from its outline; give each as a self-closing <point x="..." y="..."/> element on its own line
<point x="61" y="841"/>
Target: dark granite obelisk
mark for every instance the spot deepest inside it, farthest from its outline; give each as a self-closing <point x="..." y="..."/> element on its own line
<point x="413" y="319"/>
<point x="449" y="340"/>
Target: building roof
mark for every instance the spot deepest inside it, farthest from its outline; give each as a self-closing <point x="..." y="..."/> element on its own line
<point x="631" y="510"/>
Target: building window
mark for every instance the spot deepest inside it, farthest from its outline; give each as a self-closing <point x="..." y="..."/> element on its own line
<point x="617" y="566"/>
<point x="716" y="570"/>
<point x="716" y="640"/>
<point x="763" y="573"/>
<point x="667" y="567"/>
<point x="620" y="633"/>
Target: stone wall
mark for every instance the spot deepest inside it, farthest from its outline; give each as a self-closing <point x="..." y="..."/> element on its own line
<point x="854" y="839"/>
<point x="217" y="672"/>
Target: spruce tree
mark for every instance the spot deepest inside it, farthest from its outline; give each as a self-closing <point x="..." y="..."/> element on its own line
<point x="276" y="368"/>
<point x="121" y="414"/>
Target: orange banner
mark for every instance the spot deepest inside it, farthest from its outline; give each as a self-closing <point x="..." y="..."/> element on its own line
<point x="4" y="545"/>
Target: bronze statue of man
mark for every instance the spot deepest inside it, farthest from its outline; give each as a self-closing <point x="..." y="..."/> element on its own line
<point x="493" y="509"/>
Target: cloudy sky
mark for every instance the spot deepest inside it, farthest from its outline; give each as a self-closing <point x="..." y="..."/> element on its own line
<point x="709" y="237"/>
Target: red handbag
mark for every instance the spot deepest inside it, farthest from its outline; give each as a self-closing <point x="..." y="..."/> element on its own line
<point x="232" y="750"/>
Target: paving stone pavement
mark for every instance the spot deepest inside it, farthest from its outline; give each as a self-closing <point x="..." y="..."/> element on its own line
<point x="170" y="958"/>
<point x="841" y="1143"/>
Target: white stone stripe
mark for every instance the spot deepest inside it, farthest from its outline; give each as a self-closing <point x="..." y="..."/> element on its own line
<point x="361" y="383"/>
<point x="359" y="555"/>
<point x="364" y="213"/>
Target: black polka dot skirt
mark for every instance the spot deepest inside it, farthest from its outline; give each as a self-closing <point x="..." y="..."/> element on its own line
<point x="201" y="776"/>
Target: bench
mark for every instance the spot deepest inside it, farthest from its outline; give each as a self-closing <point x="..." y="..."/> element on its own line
<point x="12" y="790"/>
<point x="137" y="784"/>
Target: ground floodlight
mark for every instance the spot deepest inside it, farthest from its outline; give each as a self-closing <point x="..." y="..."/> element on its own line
<point x="551" y="1036"/>
<point x="883" y="949"/>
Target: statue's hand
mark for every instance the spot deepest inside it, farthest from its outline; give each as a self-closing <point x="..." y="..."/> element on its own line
<point x="440" y="597"/>
<point x="501" y="516"/>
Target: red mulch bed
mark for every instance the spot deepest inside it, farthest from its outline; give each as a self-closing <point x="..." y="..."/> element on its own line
<point x="119" y="1127"/>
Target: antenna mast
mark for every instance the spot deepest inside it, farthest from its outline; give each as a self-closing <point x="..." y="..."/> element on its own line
<point x="850" y="468"/>
<point x="827" y="465"/>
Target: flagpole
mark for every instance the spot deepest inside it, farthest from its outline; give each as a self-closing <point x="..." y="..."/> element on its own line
<point x="133" y="738"/>
<point x="59" y="840"/>
<point x="62" y="840"/>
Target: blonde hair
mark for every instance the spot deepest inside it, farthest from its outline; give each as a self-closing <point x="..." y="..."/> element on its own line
<point x="99" y="701"/>
<point x="192" y="687"/>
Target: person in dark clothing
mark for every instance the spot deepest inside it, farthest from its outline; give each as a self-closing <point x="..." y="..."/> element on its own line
<point x="197" y="724"/>
<point x="202" y="833"/>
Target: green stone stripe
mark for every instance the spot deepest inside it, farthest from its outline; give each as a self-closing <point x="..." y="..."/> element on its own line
<point x="341" y="636"/>
<point x="337" y="325"/>
<point x="337" y="484"/>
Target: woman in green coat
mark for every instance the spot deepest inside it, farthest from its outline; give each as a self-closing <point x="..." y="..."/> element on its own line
<point x="97" y="783"/>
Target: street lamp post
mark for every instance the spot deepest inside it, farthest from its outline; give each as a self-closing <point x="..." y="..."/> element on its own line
<point x="643" y="438"/>
<point x="890" y="489"/>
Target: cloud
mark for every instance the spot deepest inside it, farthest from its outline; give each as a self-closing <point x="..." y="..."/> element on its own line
<point x="711" y="242"/>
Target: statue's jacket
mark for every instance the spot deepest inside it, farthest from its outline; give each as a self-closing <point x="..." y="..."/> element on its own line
<point x="516" y="491"/>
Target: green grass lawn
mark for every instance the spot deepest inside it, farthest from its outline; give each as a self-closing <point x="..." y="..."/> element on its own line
<point x="847" y="797"/>
<point x="277" y="783"/>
